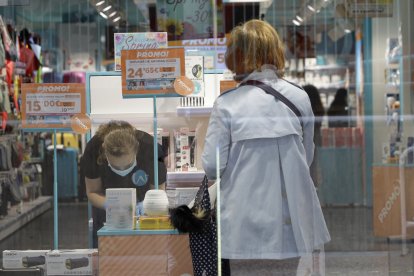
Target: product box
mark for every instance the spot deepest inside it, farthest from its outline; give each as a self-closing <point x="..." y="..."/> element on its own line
<point x="120" y="208"/>
<point x="24" y="259"/>
<point x="185" y="149"/>
<point x="194" y="70"/>
<point x="72" y="262"/>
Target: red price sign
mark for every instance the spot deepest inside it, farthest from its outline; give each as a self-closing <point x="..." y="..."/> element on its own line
<point x="152" y="71"/>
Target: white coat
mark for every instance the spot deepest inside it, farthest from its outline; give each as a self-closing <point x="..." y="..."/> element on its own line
<point x="269" y="206"/>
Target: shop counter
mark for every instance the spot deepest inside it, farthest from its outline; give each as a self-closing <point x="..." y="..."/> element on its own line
<point x="144" y="252"/>
<point x="341" y="176"/>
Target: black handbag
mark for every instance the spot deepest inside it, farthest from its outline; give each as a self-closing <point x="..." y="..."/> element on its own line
<point x="200" y="223"/>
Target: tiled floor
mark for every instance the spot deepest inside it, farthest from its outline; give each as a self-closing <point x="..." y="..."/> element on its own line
<point x="352" y="251"/>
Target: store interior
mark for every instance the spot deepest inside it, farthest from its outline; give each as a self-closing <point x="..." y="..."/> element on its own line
<point x="364" y="172"/>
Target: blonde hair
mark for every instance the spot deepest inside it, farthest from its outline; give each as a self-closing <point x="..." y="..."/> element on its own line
<point x="252" y="45"/>
<point x="118" y="139"/>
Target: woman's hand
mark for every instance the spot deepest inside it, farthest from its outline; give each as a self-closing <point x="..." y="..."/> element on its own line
<point x="95" y="192"/>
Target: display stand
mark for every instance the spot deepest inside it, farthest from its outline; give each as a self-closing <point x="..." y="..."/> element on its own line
<point x="47" y="107"/>
<point x="341" y="171"/>
<point x="388" y="202"/>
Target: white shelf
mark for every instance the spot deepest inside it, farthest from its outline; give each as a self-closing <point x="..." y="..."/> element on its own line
<point x="185" y="176"/>
<point x="195" y="111"/>
<point x="326" y="67"/>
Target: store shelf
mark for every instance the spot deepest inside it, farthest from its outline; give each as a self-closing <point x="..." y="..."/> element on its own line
<point x="326" y="67"/>
<point x="195" y="111"/>
<point x="20" y="215"/>
<point x="185" y="176"/>
<point x="184" y="179"/>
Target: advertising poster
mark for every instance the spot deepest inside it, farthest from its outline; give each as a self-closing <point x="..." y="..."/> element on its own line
<point x="52" y="105"/>
<point x="212" y="49"/>
<point x="194" y="70"/>
<point x="151" y="72"/>
<point x="187" y="19"/>
<point x="135" y="41"/>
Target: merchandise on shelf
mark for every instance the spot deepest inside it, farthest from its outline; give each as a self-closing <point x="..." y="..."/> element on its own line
<point x="185" y="150"/>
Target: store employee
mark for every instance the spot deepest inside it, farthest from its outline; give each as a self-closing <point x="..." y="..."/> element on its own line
<point x="119" y="156"/>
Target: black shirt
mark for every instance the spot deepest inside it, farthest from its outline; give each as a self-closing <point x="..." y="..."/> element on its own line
<point x="141" y="177"/>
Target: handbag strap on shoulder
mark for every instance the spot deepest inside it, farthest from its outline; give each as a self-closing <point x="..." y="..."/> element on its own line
<point x="270" y="90"/>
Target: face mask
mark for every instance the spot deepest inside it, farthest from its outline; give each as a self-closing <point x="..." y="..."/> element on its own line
<point x="123" y="172"/>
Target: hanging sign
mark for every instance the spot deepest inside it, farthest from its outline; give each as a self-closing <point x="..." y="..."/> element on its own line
<point x="151" y="72"/>
<point x="135" y="41"/>
<point x="51" y="106"/>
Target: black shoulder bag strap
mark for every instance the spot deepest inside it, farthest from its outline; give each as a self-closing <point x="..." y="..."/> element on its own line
<point x="270" y="90"/>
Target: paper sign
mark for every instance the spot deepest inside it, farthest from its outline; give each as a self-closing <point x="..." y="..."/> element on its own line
<point x="135" y="41"/>
<point x="51" y="105"/>
<point x="213" y="50"/>
<point x="194" y="70"/>
<point x="151" y="72"/>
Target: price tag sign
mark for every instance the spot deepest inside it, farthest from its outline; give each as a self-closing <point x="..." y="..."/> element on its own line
<point x="151" y="72"/>
<point x="51" y="106"/>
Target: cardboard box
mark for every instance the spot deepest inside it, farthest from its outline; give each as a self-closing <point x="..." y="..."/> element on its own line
<point x="24" y="259"/>
<point x="143" y="255"/>
<point x="120" y="208"/>
<point x="72" y="262"/>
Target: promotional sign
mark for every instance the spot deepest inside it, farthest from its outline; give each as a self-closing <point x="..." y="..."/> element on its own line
<point x="186" y="19"/>
<point x="51" y="105"/>
<point x="135" y="41"/>
<point x="194" y="70"/>
<point x="212" y="49"/>
<point x="151" y="72"/>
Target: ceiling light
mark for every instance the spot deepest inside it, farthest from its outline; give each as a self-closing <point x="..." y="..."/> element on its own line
<point x="103" y="15"/>
<point x="116" y="19"/>
<point x="312" y="9"/>
<point x="347" y="31"/>
<point x="300" y="19"/>
<point x="112" y="14"/>
<point x="107" y="8"/>
<point x="100" y="3"/>
<point x="297" y="23"/>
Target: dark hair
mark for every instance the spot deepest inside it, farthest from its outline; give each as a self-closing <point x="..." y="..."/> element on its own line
<point x="341" y="97"/>
<point x="315" y="99"/>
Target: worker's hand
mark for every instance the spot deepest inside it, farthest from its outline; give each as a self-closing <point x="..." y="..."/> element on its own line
<point x="139" y="209"/>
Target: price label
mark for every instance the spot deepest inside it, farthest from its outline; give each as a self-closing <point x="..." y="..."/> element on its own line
<point x="51" y="105"/>
<point x="151" y="71"/>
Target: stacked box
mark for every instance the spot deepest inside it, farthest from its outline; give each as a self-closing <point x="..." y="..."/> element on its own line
<point x="72" y="262"/>
<point x="24" y="259"/>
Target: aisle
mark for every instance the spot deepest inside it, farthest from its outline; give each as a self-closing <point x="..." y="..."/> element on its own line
<point x="38" y="234"/>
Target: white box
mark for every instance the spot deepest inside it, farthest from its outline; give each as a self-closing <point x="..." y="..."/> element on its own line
<point x="120" y="208"/>
<point x="72" y="262"/>
<point x="24" y="259"/>
<point x="194" y="70"/>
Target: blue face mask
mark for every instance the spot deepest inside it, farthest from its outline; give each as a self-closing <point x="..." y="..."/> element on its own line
<point x="123" y="172"/>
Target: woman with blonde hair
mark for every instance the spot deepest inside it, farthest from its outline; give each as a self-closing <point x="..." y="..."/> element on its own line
<point x="263" y="130"/>
<point x="119" y="156"/>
